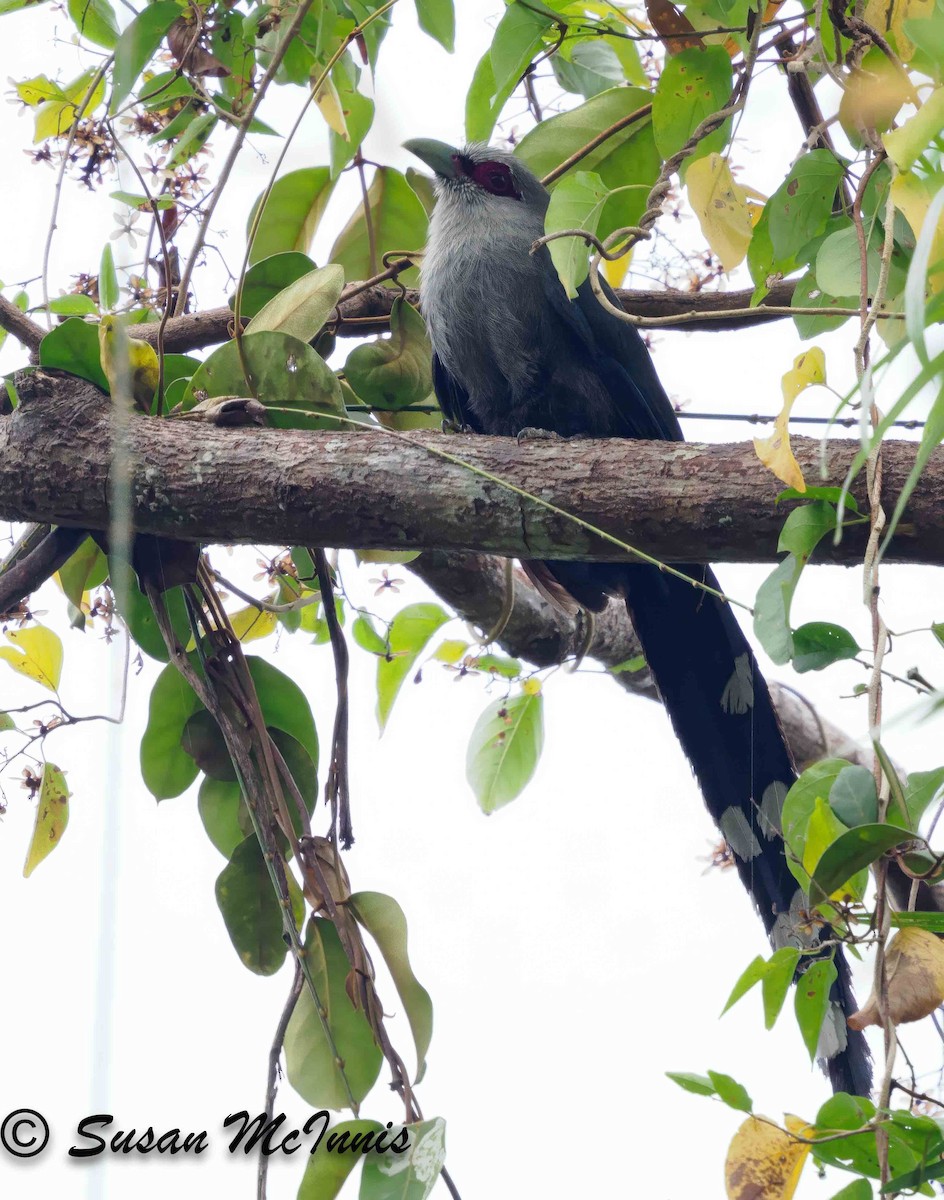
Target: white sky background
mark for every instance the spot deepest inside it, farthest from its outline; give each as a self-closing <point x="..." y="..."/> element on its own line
<point x="568" y="967"/>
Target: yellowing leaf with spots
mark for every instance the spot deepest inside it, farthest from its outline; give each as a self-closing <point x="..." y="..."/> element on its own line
<point x="889" y="16"/>
<point x="36" y="653"/>
<point x="774" y="452"/>
<point x="721" y="207"/>
<point x="912" y="195"/>
<point x="764" y="1161"/>
<point x="914" y="966"/>
<point x="52" y="816"/>
<point x="329" y="102"/>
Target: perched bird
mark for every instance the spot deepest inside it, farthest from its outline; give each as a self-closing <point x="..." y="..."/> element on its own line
<point x="130" y="365"/>
<point x="512" y="353"/>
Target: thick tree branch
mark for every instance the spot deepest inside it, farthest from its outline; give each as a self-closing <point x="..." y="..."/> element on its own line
<point x="683" y="503"/>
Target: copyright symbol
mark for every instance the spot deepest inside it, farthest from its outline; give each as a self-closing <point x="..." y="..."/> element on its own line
<point x="24" y="1133"/>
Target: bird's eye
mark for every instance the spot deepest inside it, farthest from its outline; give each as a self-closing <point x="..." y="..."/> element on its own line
<point x="498" y="181"/>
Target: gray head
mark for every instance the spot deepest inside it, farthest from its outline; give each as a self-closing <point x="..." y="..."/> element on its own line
<point x="479" y="175"/>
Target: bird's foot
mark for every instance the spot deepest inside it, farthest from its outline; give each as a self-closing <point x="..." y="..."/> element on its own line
<point x="531" y="433"/>
<point x="449" y="426"/>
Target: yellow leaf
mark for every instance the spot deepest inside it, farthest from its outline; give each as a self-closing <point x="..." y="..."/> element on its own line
<point x="37" y="654"/>
<point x="130" y="364"/>
<point x="904" y="145"/>
<point x="889" y="16"/>
<point x="875" y="91"/>
<point x="914" y="968"/>
<point x="764" y="1161"/>
<point x="56" y="116"/>
<point x="329" y="102"/>
<point x="38" y="90"/>
<point x="52" y="817"/>
<point x="450" y="651"/>
<point x="912" y="195"/>
<point x="774" y="452"/>
<point x="249" y="624"/>
<point x="721" y="207"/>
<point x="615" y="272"/>
<point x="531" y="687"/>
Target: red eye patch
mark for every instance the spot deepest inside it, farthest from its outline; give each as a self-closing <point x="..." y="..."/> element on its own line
<point x="495" y="178"/>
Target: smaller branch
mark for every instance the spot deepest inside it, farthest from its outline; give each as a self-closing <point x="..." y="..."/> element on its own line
<point x="272" y="1081"/>
<point x="337" y="786"/>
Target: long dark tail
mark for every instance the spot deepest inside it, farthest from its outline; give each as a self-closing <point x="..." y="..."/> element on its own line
<point x="721" y="711"/>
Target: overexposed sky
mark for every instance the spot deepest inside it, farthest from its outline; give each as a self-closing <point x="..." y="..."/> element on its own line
<point x="573" y="946"/>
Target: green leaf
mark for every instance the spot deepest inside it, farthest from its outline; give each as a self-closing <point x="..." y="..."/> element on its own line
<point x="310" y="1059"/>
<point x="164" y="90"/>
<point x="265" y="280"/>
<point x="251" y="910"/>
<point x="933" y="922"/>
<point x="6" y="722"/>
<point x="853" y="797"/>
<point x="95" y="20"/>
<point x="921" y="790"/>
<point x="799" y="209"/>
<point x="700" y="1085"/>
<point x="135" y="610"/>
<point x="438" y="19"/>
<point x="931" y="438"/>
<point x="411" y="1175"/>
<point x="86" y="569"/>
<point x="576" y="203"/>
<point x="203" y="741"/>
<point x="753" y="973"/>
<point x="838" y="267"/>
<point x="851" y="852"/>
<point x="780" y="973"/>
<point x="811" y="1000"/>
<point x="73" y="306"/>
<point x="819" y="644"/>
<point x="52" y="817"/>
<point x="589" y="68"/>
<point x="383" y="919"/>
<point x="859" y="1189"/>
<point x="192" y="140"/>
<point x="549" y="144"/>
<point x="398" y="222"/>
<point x="409" y="633"/>
<point x="224" y="814"/>
<point x="805" y="527"/>
<point x="814" y="785"/>
<point x="366" y="636"/>
<point x="327" y="1170"/>
<point x="519" y="35"/>
<point x="285" y="374"/>
<point x="55" y="117"/>
<point x="693" y="85"/>
<point x="504" y="749"/>
<point x="394" y="372"/>
<point x="108" y="291"/>
<point x="358" y="112"/>
<point x="302" y="307"/>
<point x="731" y="1092"/>
<point x="772" y="609"/>
<point x="809" y="294"/>
<point x="166" y="767"/>
<point x="292" y="213"/>
<point x="143" y="203"/>
<point x="284" y="704"/>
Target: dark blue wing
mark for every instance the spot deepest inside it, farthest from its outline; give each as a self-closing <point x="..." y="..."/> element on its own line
<point x="453" y="398"/>
<point x="620" y="358"/>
